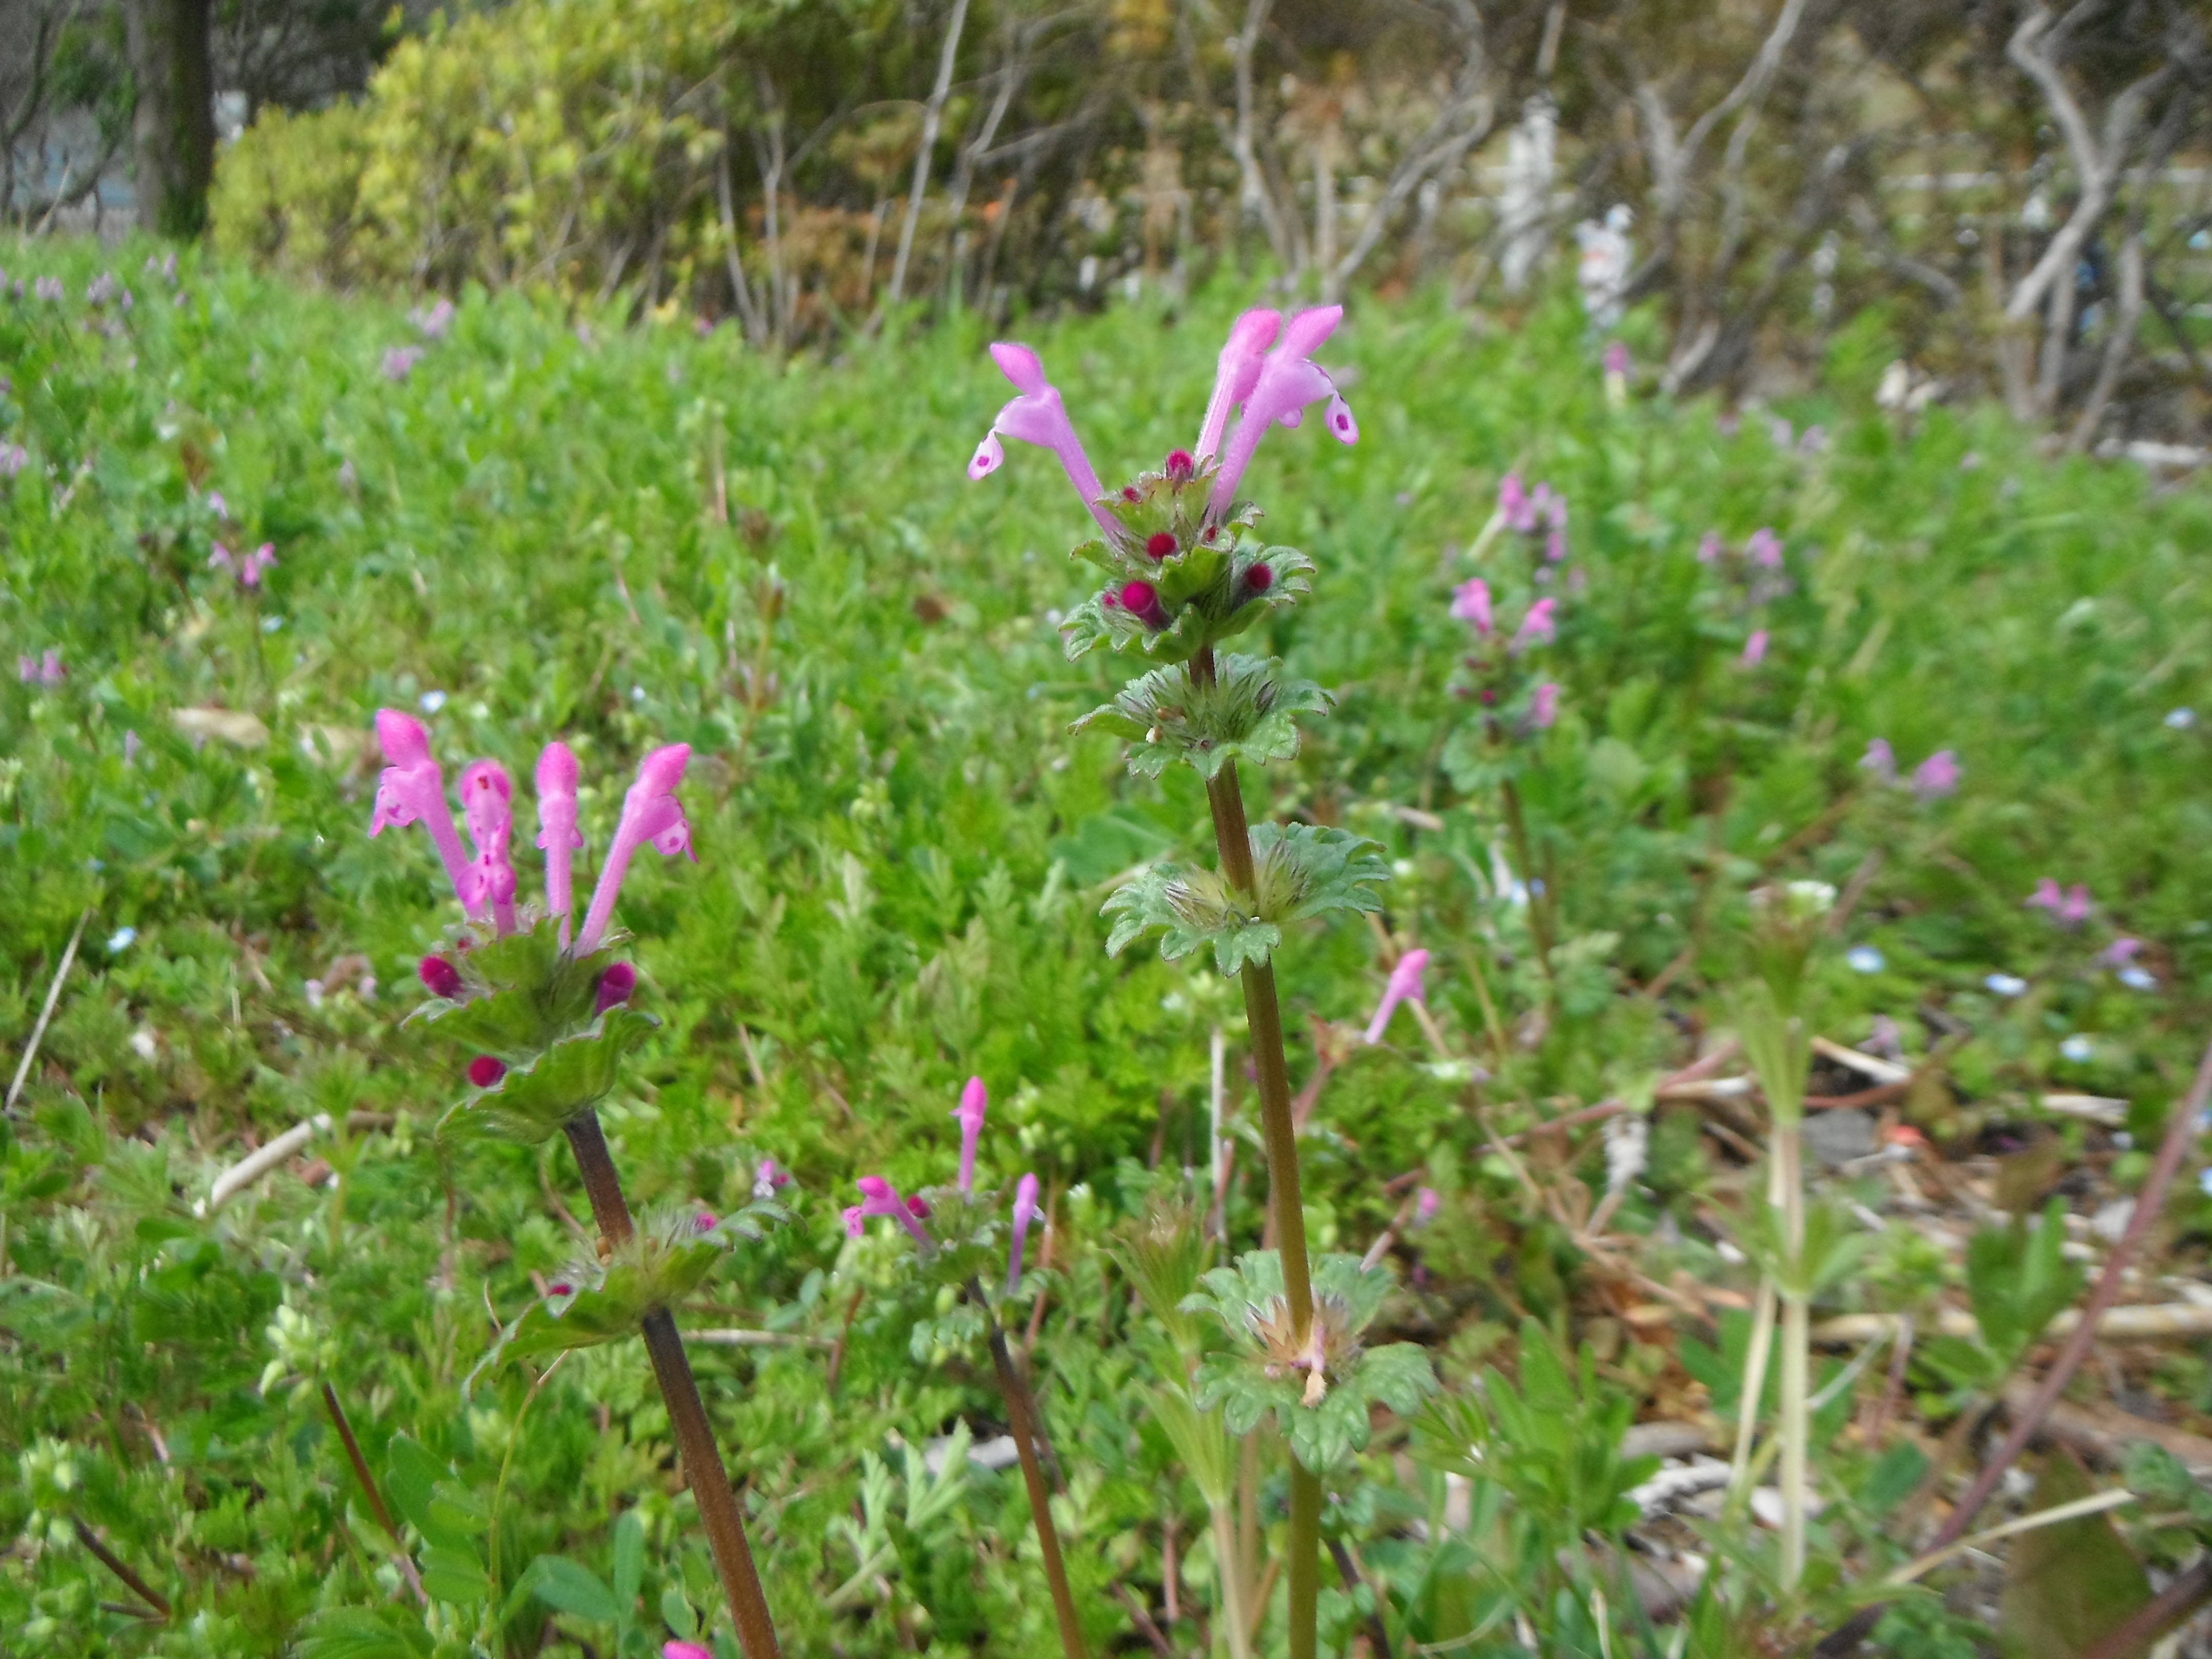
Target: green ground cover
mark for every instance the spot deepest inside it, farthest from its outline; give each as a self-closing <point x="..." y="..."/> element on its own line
<point x="540" y="527"/>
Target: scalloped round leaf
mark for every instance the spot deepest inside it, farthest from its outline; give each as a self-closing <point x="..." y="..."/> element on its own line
<point x="534" y="1100"/>
<point x="528" y="997"/>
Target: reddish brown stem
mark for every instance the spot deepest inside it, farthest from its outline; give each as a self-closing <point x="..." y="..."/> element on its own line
<point x="122" y="1569"/>
<point x="376" y="1504"/>
<point x="687" y="1413"/>
<point x="1022" y="1418"/>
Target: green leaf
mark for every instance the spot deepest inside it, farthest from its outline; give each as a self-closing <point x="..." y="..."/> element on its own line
<point x="362" y="1633"/>
<point x="411" y="1476"/>
<point x="522" y="993"/>
<point x="629" y="1557"/>
<point x="1248" y="712"/>
<point x="2069" y="1584"/>
<point x="570" y="1587"/>
<point x="455" y="1574"/>
<point x="532" y="1101"/>
<point x="1299" y="870"/>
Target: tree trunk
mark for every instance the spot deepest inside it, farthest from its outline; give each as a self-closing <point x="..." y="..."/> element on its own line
<point x="173" y="129"/>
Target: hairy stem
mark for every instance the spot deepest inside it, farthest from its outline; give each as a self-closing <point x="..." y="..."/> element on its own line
<point x="1796" y="1425"/>
<point x="1263" y="1017"/>
<point x="1233" y="1614"/>
<point x="1022" y="1417"/>
<point x="687" y="1414"/>
<point x="339" y="1421"/>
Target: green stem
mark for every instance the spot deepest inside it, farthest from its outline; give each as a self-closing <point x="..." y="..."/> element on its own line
<point x="1796" y="1425"/>
<point x="687" y="1414"/>
<point x="1233" y="1613"/>
<point x="1022" y="1418"/>
<point x="1540" y="900"/>
<point x="1263" y="1018"/>
<point x="1305" y="1559"/>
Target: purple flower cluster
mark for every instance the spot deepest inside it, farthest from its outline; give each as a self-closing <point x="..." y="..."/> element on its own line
<point x="247" y="568"/>
<point x="411" y="789"/>
<point x="1932" y="779"/>
<point x="1494" y="666"/>
<point x="879" y="1198"/>
<point x="46" y="671"/>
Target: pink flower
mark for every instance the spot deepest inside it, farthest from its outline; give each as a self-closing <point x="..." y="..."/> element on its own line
<point x="1471" y="605"/>
<point x="1236" y="373"/>
<point x="2120" y="953"/>
<point x="615" y="986"/>
<point x="412" y="787"/>
<point x="486" y="796"/>
<point x="2047" y="896"/>
<point x="769" y="1178"/>
<point x="879" y="1197"/>
<point x="974" y="1101"/>
<point x="1538" y="627"/>
<point x="1555" y="545"/>
<point x="651" y="813"/>
<point x="399" y="362"/>
<point x="1038" y="416"/>
<point x="1425" y="1204"/>
<point x="250" y="568"/>
<point x="486" y="1070"/>
<point x="557" y="834"/>
<point x="1404" y="986"/>
<point x="1880" y="760"/>
<point x="1755" y="648"/>
<point x="682" y="1649"/>
<point x="1764" y="548"/>
<point x="14" y="457"/>
<point x="1544" y="706"/>
<point x="1616" y="358"/>
<point x="2068" y="907"/>
<point x="1288" y="380"/>
<point x="435" y="321"/>
<point x="1709" y="547"/>
<point x="440" y="977"/>
<point x="1514" y="506"/>
<point x="46" y="670"/>
<point x="856" y="1220"/>
<point x="1025" y="1211"/>
<point x="222" y="559"/>
<point x="1936" y="776"/>
<point x="2075" y="910"/>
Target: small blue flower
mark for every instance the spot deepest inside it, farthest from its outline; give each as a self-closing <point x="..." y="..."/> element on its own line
<point x="271" y="624"/>
<point x="2138" y="978"/>
<point x="2077" y="1048"/>
<point x="2180" y="719"/>
<point x="432" y="702"/>
<point x="121" y="939"/>
<point x="2006" y="985"/>
<point x="1865" y="958"/>
<point x="2204" y="1182"/>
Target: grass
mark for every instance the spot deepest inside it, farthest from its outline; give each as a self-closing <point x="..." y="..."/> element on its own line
<point x="627" y="537"/>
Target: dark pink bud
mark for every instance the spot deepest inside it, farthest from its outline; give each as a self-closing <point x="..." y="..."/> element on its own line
<point x="486" y="1070"/>
<point x="1142" y="601"/>
<point x="1130" y="493"/>
<point x="1489" y="696"/>
<point x="615" y="986"/>
<point x="1180" y="469"/>
<point x="1260" y="578"/>
<point x="702" y="1223"/>
<point x="917" y="1209"/>
<point x="1209" y="533"/>
<point x="1160" y="543"/>
<point x="443" y="979"/>
<point x="1110" y="600"/>
<point x="563" y="1288"/>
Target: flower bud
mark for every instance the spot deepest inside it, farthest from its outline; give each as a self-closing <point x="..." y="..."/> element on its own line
<point x="1142" y="601"/>
<point x="441" y="976"/>
<point x="485" y="1070"/>
<point x="614" y="987"/>
<point x="1160" y="543"/>
<point x="1180" y="468"/>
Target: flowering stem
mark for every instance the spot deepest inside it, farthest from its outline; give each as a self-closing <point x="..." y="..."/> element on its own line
<point x="687" y="1414"/>
<point x="1539" y="896"/>
<point x="1263" y="1016"/>
<point x="1022" y="1417"/>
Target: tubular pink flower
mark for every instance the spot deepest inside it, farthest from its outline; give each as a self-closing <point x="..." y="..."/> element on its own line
<point x="1616" y="362"/>
<point x="1025" y="1211"/>
<point x="1755" y="648"/>
<point x="222" y="559"/>
<point x="2120" y="953"/>
<point x="669" y="1650"/>
<point x="974" y="1101"/>
<point x="1544" y="706"/>
<point x="1471" y="605"/>
<point x="614" y="987"/>
<point x="254" y="564"/>
<point x="1764" y="548"/>
<point x="412" y="787"/>
<point x="1538" y="627"/>
<point x="856" y="1220"/>
<point x="879" y="1197"/>
<point x="1037" y="416"/>
<point x="486" y="800"/>
<point x="2047" y="896"/>
<point x="2075" y="910"/>
<point x="1425" y="1204"/>
<point x="1936" y="776"/>
<point x="1236" y="373"/>
<point x="557" y="834"/>
<point x="1880" y="760"/>
<point x="1404" y="986"/>
<point x="1709" y="547"/>
<point x="1288" y="380"/>
<point x="1514" y="506"/>
<point x="651" y="813"/>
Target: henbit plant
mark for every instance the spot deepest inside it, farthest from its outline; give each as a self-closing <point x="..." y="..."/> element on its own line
<point x="1186" y="571"/>
<point x="956" y="1237"/>
<point x="549" y="1021"/>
